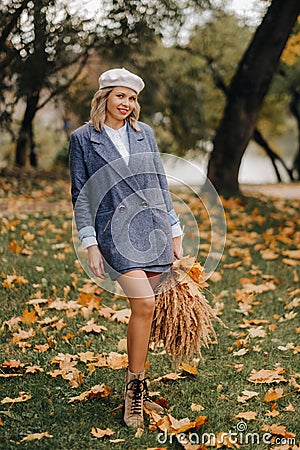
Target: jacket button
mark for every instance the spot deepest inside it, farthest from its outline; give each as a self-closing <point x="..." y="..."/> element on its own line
<point x="122" y="208"/>
<point x="145" y="205"/>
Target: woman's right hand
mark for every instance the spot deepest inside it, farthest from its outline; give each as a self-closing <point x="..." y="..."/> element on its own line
<point x="95" y="261"/>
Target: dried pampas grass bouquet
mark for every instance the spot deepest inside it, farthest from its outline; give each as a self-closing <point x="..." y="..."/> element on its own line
<point x="182" y="317"/>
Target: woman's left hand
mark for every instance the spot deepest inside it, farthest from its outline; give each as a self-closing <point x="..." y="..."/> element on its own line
<point x="177" y="247"/>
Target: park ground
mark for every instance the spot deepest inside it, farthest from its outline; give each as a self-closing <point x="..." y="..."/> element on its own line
<point x="62" y="353"/>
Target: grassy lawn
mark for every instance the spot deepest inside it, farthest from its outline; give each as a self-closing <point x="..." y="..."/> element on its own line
<point x="47" y="358"/>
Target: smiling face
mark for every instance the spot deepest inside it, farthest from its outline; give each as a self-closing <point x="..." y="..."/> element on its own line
<point x="120" y="104"/>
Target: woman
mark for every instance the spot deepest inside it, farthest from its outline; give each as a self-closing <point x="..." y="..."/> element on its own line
<point x="124" y="212"/>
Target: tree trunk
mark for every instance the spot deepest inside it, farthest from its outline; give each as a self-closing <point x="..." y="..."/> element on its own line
<point x="246" y="92"/>
<point x="25" y="138"/>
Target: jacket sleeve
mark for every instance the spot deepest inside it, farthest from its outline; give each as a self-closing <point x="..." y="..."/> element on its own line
<point x="80" y="193"/>
<point x="174" y="220"/>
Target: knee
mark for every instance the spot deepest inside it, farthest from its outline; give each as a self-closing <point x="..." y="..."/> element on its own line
<point x="144" y="308"/>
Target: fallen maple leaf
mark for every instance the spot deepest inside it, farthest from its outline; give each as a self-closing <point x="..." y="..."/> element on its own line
<point x="11" y="323"/>
<point x="247" y="415"/>
<point x="41" y="348"/>
<point x="22" y="397"/>
<point x="91" y="327"/>
<point x="267" y="376"/>
<point x="168" y="377"/>
<point x="98" y="433"/>
<point x="36" y="436"/>
<point x="278" y="430"/>
<point x="13" y="364"/>
<point x="29" y="317"/>
<point x="240" y="352"/>
<point x="11" y="280"/>
<point x="258" y="289"/>
<point x="289" y="408"/>
<point x="247" y="395"/>
<point x="257" y="332"/>
<point x="98" y="391"/>
<point x="17" y="337"/>
<point x="195" y="407"/>
<point x="189" y="369"/>
<point x="273" y="394"/>
<point x="117" y="361"/>
<point x="33" y="369"/>
<point x="87" y="357"/>
<point x="122" y="345"/>
<point x="122" y="315"/>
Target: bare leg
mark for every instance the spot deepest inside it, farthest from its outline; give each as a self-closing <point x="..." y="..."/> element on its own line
<point x="140" y="294"/>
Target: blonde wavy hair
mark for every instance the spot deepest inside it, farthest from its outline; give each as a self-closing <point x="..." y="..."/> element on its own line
<point x="98" y="110"/>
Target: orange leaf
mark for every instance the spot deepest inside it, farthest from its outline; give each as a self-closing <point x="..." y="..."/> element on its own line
<point x="15" y="247"/>
<point x="200" y="420"/>
<point x="273" y="394"/>
<point x="29" y="317"/>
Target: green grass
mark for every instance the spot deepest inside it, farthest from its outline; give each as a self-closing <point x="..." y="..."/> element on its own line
<point x="218" y="383"/>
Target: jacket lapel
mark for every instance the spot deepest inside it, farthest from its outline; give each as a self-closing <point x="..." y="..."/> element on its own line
<point x="108" y="151"/>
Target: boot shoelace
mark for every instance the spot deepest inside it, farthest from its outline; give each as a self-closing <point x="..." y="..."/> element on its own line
<point x="137" y="387"/>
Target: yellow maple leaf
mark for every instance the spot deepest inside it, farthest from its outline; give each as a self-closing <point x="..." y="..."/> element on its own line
<point x="189" y="369"/>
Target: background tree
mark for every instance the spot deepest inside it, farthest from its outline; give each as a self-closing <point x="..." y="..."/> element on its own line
<point x="247" y="91"/>
<point x="50" y="45"/>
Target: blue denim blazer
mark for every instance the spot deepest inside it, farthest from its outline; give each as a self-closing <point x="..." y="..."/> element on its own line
<point x="127" y="207"/>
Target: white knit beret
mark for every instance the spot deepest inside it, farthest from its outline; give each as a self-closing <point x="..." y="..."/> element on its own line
<point x="121" y="77"/>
